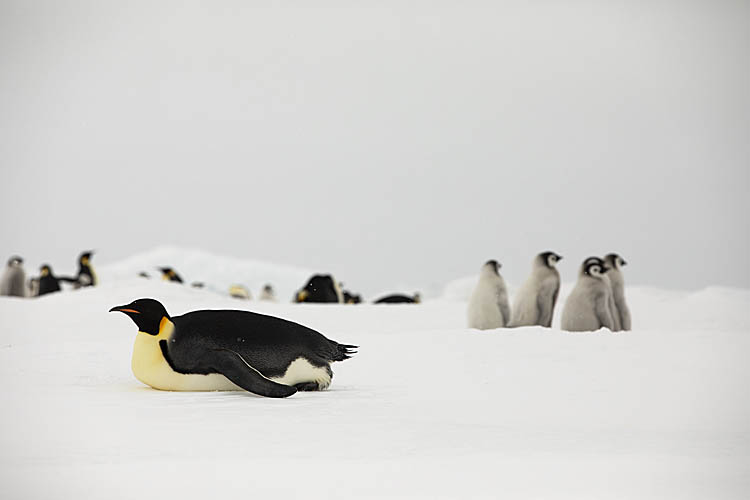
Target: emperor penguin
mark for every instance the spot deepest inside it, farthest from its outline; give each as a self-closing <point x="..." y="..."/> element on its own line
<point x="48" y="282"/>
<point x="240" y="292"/>
<point x="169" y="274"/>
<point x="587" y="307"/>
<point x="615" y="263"/>
<point x="267" y="293"/>
<point x="535" y="301"/>
<point x="399" y="298"/>
<point x="225" y="350"/>
<point x="321" y="288"/>
<point x="488" y="306"/>
<point x="13" y="282"/>
<point x="86" y="274"/>
<point x="616" y="326"/>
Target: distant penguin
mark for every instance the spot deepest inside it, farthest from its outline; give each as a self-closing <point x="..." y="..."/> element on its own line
<point x="198" y="284"/>
<point x="33" y="287"/>
<point x="488" y="306"/>
<point x="351" y="298"/>
<point x="224" y="350"/>
<point x="239" y="292"/>
<point x="615" y="262"/>
<point x="587" y="307"/>
<point x="86" y="275"/>
<point x="398" y="298"/>
<point x="267" y="293"/>
<point x="13" y="282"/>
<point x="48" y="282"/>
<point x="321" y="288"/>
<point x="535" y="301"/>
<point x="169" y="274"/>
<point x="144" y="274"/>
<point x="611" y="301"/>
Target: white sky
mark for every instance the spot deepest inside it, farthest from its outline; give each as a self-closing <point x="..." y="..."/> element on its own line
<point x="403" y="144"/>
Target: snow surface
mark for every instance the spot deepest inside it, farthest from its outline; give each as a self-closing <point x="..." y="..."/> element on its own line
<point x="427" y="409"/>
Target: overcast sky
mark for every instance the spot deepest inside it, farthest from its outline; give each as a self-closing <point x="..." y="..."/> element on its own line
<point x="402" y="144"/>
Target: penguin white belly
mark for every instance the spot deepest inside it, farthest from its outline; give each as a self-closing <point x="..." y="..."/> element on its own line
<point x="150" y="367"/>
<point x="301" y="370"/>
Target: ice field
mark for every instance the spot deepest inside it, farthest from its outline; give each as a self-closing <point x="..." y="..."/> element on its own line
<point x="426" y="409"/>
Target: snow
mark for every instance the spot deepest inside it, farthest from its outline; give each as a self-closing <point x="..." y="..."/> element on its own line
<point x="427" y="409"/>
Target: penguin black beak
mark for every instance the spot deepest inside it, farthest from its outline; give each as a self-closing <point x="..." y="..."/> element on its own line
<point x="624" y="263"/>
<point x="124" y="309"/>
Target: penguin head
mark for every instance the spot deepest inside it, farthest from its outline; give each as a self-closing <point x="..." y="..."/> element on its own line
<point x="15" y="261"/>
<point x="85" y="257"/>
<point x="417" y="298"/>
<point x="549" y="259"/>
<point x="594" y="267"/>
<point x="45" y="270"/>
<point x="492" y="266"/>
<point x="614" y="261"/>
<point x="147" y="314"/>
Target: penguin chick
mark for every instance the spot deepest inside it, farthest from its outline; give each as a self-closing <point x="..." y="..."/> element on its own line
<point x="220" y="350"/>
<point x="13" y="282"/>
<point x="488" y="306"/>
<point x="611" y="300"/>
<point x="615" y="262"/>
<point x="169" y="274"/>
<point x="48" y="282"/>
<point x="535" y="301"/>
<point x="587" y="306"/>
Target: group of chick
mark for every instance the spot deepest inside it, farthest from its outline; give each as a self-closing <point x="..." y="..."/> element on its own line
<point x="597" y="300"/>
<point x="13" y="282"/>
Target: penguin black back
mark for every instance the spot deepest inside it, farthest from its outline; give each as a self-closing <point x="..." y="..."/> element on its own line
<point x="48" y="282"/>
<point x="398" y="298"/>
<point x="262" y="354"/>
<point x="321" y="288"/>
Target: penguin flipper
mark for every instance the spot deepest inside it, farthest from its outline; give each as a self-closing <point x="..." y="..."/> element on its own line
<point x="236" y="369"/>
<point x="544" y="310"/>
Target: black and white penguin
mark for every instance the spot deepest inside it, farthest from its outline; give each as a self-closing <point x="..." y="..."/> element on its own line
<point x="86" y="274"/>
<point x="13" y="282"/>
<point x="321" y="288"/>
<point x="48" y="282"/>
<point x="615" y="263"/>
<point x="240" y="292"/>
<point x="535" y="301"/>
<point x="398" y="298"/>
<point x="224" y="350"/>
<point x="169" y="274"/>
<point x="488" y="306"/>
<point x="267" y="293"/>
<point x="351" y="298"/>
<point x="616" y="325"/>
<point x="587" y="307"/>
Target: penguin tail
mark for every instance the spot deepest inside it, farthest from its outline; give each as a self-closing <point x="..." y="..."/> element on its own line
<point x="343" y="351"/>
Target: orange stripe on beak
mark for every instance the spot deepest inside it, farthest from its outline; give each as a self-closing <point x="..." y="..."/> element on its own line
<point x="129" y="311"/>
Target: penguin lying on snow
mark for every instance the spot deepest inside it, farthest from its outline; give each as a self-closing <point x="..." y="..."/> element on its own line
<point x="321" y="288"/>
<point x="169" y="274"/>
<point x="224" y="350"/>
<point x="267" y="293"/>
<point x="398" y="298"/>
<point x="86" y="275"/>
<point x="13" y="282"/>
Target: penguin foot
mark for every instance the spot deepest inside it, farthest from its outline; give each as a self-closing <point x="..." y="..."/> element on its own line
<point x="308" y="386"/>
